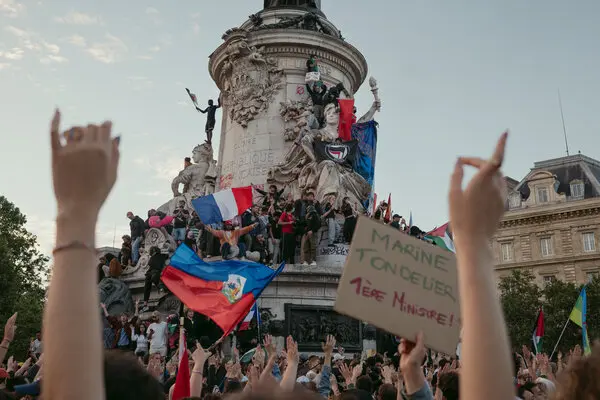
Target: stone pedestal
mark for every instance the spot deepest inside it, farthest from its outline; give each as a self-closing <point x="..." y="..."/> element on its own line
<point x="261" y="71"/>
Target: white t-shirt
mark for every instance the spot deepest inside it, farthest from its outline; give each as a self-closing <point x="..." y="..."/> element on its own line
<point x="159" y="337"/>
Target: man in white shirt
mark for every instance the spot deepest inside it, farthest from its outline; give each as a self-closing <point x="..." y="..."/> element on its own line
<point x="158" y="336"/>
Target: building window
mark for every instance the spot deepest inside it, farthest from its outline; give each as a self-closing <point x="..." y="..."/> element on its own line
<point x="589" y="242"/>
<point x="546" y="247"/>
<point x="590" y="276"/>
<point x="577" y="190"/>
<point x="548" y="279"/>
<point x="507" y="252"/>
<point x="514" y="200"/>
<point x="542" y="194"/>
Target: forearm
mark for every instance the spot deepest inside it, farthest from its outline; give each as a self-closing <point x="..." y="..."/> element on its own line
<point x="483" y="327"/>
<point x="196" y="382"/>
<point x="73" y="277"/>
<point x="289" y="376"/>
<point x="414" y="380"/>
<point x="3" y="349"/>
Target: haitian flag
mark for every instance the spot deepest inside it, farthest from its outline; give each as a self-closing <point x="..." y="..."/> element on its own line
<point x="364" y="162"/>
<point x="224" y="291"/>
<point x="340" y="153"/>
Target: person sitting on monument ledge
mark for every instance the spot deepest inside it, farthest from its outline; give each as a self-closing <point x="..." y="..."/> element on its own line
<point x="125" y="254"/>
<point x="272" y="197"/>
<point x="250" y="217"/>
<point x="258" y="252"/>
<point x="229" y="240"/>
<point x="350" y="215"/>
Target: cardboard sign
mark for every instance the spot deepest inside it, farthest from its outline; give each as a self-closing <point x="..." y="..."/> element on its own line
<point x="402" y="285"/>
<point x="312" y="77"/>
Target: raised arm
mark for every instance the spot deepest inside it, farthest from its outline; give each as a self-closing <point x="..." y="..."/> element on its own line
<point x="475" y="213"/>
<point x="247" y="229"/>
<point x="84" y="172"/>
<point x="9" y="335"/>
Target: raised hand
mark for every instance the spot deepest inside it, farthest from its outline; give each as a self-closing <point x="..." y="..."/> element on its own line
<point x="292" y="351"/>
<point x="259" y="357"/>
<point x="328" y="345"/>
<point x="200" y="356"/>
<point x="84" y="170"/>
<point x="387" y="373"/>
<point x="270" y="346"/>
<point x="346" y="373"/>
<point x="476" y="210"/>
<point x="9" y="329"/>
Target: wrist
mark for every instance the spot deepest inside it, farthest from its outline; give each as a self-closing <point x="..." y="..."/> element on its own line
<point x="76" y="226"/>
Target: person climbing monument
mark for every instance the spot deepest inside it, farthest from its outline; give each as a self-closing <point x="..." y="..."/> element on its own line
<point x="317" y="94"/>
<point x="211" y="110"/>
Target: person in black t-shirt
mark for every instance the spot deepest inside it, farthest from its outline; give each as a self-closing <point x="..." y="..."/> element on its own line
<point x="180" y="222"/>
<point x="156" y="263"/>
<point x="275" y="237"/>
<point x="333" y="228"/>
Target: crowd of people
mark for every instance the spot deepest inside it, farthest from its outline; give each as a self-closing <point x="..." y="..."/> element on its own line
<point x="70" y="362"/>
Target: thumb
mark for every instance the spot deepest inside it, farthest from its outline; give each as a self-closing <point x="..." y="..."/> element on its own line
<point x="455" y="193"/>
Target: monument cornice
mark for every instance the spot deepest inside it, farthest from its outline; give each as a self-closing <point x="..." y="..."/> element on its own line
<point x="558" y="260"/>
<point x="293" y="42"/>
<point x="546" y="215"/>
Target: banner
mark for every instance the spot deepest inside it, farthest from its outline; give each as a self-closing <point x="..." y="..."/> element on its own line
<point x="341" y="153"/>
<point x="364" y="162"/>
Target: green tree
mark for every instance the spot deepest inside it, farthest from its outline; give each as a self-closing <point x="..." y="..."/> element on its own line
<point x="559" y="299"/>
<point x="23" y="272"/>
<point x="520" y="299"/>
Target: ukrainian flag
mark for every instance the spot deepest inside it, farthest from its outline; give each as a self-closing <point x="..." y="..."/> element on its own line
<point x="578" y="316"/>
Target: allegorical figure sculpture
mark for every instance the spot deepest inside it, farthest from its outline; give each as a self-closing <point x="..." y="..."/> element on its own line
<point x="304" y="170"/>
<point x="194" y="176"/>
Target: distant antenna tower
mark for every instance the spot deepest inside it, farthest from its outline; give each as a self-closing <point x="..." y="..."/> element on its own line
<point x="563" y="122"/>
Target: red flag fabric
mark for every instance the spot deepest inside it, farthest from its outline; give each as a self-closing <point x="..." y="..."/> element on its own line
<point x="374" y="204"/>
<point x="388" y="212"/>
<point x="346" y="114"/>
<point x="182" y="381"/>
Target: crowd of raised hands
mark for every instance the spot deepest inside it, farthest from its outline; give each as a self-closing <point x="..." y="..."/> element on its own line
<point x="84" y="169"/>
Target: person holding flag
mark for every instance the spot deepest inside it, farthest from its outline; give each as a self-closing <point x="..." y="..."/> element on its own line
<point x="538" y="332"/>
<point x="579" y="317"/>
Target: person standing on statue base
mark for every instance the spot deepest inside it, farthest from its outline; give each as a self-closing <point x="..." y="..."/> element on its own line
<point x="309" y="239"/>
<point x="211" y="110"/>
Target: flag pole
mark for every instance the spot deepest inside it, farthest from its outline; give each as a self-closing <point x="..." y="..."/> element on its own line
<point x="560" y="337"/>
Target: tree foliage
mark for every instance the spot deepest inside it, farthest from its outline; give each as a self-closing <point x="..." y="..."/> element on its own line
<point x="23" y="272"/>
<point x="521" y="299"/>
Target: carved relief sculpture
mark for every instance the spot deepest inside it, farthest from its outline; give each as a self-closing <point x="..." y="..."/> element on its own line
<point x="250" y="80"/>
<point x="302" y="171"/>
<point x="295" y="114"/>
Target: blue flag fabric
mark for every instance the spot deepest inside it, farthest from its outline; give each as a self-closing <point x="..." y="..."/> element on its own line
<point x="364" y="162"/>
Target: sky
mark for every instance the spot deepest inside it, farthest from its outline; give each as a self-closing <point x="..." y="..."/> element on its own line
<point x="452" y="77"/>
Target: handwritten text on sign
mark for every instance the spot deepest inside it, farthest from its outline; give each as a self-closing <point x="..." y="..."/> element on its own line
<point x="402" y="285"/>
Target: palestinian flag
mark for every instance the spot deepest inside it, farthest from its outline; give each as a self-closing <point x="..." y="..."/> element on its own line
<point x="192" y="97"/>
<point x="442" y="237"/>
<point x="538" y="332"/>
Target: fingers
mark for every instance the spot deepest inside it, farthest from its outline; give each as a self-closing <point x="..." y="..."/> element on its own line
<point x="497" y="159"/>
<point x="54" y="129"/>
<point x="455" y="185"/>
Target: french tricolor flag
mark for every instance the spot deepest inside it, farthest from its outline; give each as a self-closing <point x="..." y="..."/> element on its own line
<point x="223" y="205"/>
<point x="245" y="325"/>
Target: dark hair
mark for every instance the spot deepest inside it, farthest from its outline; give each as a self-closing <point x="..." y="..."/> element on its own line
<point x="187" y="159"/>
<point x="526" y="387"/>
<point x="273" y="187"/>
<point x="448" y="384"/>
<point x="356" y="394"/>
<point x="364" y="383"/>
<point x="124" y="378"/>
<point x="232" y="386"/>
<point x="387" y="391"/>
<point x="289" y="207"/>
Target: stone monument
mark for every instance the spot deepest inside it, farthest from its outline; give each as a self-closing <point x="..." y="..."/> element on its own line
<point x="271" y="126"/>
<point x="280" y="74"/>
